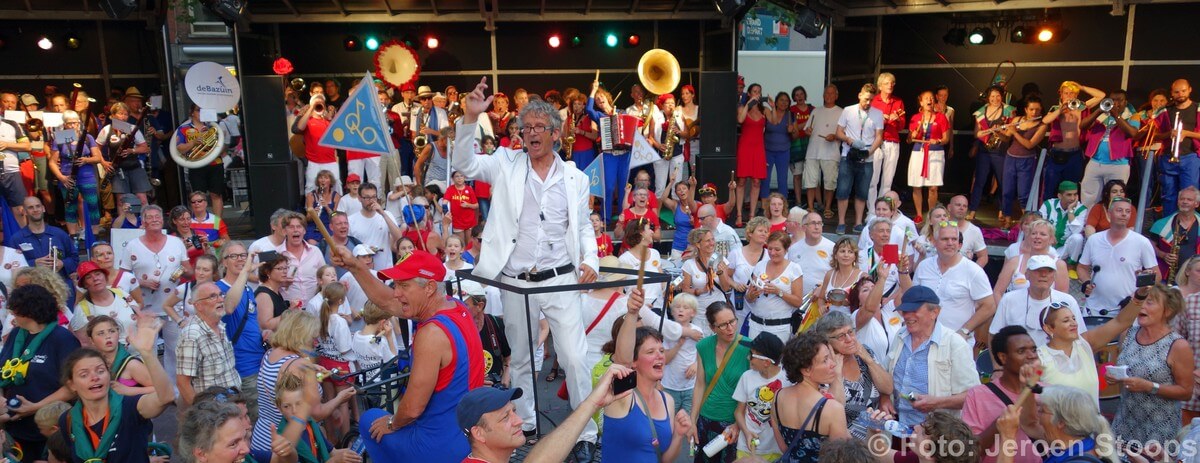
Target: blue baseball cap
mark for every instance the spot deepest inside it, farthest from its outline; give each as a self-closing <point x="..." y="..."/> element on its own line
<point x="481" y="401"/>
<point x="916" y="297"/>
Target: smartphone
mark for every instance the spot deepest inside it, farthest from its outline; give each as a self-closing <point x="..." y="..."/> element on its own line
<point x="620" y="385"/>
<point x="268" y="256"/>
<point x="135" y="208"/>
<point x="1146" y="279"/>
<point x="891" y="253"/>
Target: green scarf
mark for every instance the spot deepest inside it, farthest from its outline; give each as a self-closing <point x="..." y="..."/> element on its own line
<point x="305" y="452"/>
<point x="14" y="370"/>
<point x="81" y="436"/>
<point x="120" y="361"/>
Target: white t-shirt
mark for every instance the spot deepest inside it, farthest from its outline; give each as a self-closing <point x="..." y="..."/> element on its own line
<point x="1013" y="250"/>
<point x="902" y="227"/>
<point x="350" y="205"/>
<point x="699" y="280"/>
<point x="972" y="241"/>
<point x="823" y="122"/>
<point x="878" y="335"/>
<point x="958" y="289"/>
<point x="161" y="266"/>
<point x="12" y="260"/>
<point x="356" y="298"/>
<point x="313" y="306"/>
<point x="743" y="269"/>
<point x="374" y="231"/>
<point x="675" y="373"/>
<point x="338" y="345"/>
<point x="813" y="260"/>
<point x="1118" y="266"/>
<point x="654" y="292"/>
<point x="602" y="332"/>
<point x="102" y="136"/>
<point x="869" y="261"/>
<point x="370" y="351"/>
<point x="230" y="124"/>
<point x="1017" y="308"/>
<point x="9" y="134"/>
<point x="772" y="306"/>
<point x="758" y="393"/>
<point x="495" y="306"/>
<point x="121" y="309"/>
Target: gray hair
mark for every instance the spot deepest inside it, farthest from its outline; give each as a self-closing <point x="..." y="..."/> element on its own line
<point x="878" y="220"/>
<point x="441" y="289"/>
<point x="540" y="108"/>
<point x="277" y="217"/>
<point x="1079" y="416"/>
<point x="830" y="322"/>
<point x="797" y="214"/>
<point x="199" y="428"/>
<point x="153" y="207"/>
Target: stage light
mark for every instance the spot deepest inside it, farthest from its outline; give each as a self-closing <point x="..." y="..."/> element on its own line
<point x="610" y="40"/>
<point x="372" y="43"/>
<point x="351" y="43"/>
<point x="554" y="41"/>
<point x="1045" y="34"/>
<point x="982" y="36"/>
<point x="431" y="42"/>
<point x="632" y="40"/>
<point x="576" y="41"/>
<point x="955" y="36"/>
<point x="45" y="43"/>
<point x="72" y="41"/>
<point x="1019" y="34"/>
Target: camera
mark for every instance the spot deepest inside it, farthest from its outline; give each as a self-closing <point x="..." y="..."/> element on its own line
<point x="195" y="241"/>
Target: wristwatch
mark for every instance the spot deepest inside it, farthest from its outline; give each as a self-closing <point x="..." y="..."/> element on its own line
<point x="1154" y="388"/>
<point x="964" y="331"/>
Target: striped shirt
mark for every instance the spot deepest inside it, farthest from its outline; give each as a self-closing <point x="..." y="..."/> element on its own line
<point x="268" y="414"/>
<point x="211" y="226"/>
<point x="1189" y="328"/>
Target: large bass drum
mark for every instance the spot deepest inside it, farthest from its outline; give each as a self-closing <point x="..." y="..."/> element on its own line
<point x="204" y="158"/>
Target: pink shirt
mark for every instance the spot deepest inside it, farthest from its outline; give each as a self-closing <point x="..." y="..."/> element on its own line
<point x="304" y="266"/>
<point x="982" y="408"/>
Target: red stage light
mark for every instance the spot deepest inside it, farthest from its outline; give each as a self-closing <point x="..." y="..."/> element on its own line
<point x="633" y="40"/>
<point x="555" y="41"/>
<point x="431" y="42"/>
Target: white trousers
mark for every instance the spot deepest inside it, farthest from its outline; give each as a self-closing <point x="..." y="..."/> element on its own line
<point x="1072" y="249"/>
<point x="884" y="161"/>
<point x="1096" y="175"/>
<point x="367" y="169"/>
<point x="314" y="168"/>
<point x="663" y="169"/>
<point x="566" y="326"/>
<point x="170" y="334"/>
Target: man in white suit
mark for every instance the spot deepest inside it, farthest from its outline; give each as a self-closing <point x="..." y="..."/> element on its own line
<point x="538" y="234"/>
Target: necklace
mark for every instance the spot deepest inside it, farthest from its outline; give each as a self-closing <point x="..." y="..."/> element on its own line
<point x="844" y="283"/>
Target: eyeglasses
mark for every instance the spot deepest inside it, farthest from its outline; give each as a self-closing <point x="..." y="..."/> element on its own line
<point x="728" y="324"/>
<point x="842" y="337"/>
<point x="535" y="129"/>
<point x="1054" y="305"/>
<point x="237" y="256"/>
<point x="205" y="298"/>
<point x="224" y="396"/>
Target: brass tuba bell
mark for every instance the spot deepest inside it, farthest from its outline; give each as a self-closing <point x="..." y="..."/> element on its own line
<point x="658" y="70"/>
<point x="297" y="84"/>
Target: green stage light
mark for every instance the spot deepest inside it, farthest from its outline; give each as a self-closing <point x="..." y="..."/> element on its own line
<point x="372" y="43"/>
<point x="611" y="40"/>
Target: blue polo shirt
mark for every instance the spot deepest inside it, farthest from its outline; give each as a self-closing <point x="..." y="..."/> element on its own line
<point x="912" y="375"/>
<point x="248" y="348"/>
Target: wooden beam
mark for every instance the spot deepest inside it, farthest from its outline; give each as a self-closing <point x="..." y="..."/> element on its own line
<point x="550" y="15"/>
<point x="947" y="2"/>
<point x="288" y="3"/>
<point x="338" y="4"/>
<point x="891" y="3"/>
<point x="542" y="9"/>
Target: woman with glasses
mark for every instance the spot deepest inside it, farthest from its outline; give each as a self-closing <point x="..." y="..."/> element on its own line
<point x="776" y="289"/>
<point x="204" y="222"/>
<point x="272" y="277"/>
<point x="1039" y="238"/>
<point x="839" y="282"/>
<point x="713" y="406"/>
<point x="74" y="164"/>
<point x="291" y="352"/>
<point x="118" y="278"/>
<point x="241" y="321"/>
<point x="804" y="416"/>
<point x="180" y="225"/>
<point x="1068" y="357"/>
<point x="864" y="381"/>
<point x="104" y="425"/>
<point x="706" y="275"/>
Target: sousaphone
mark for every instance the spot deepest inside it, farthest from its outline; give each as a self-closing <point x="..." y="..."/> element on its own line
<point x="396" y="64"/>
<point x="210" y="145"/>
<point x="658" y="70"/>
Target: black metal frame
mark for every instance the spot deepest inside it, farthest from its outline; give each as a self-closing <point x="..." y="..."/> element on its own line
<point x="648" y="278"/>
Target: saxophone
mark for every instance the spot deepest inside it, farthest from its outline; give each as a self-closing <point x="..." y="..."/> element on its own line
<point x="569" y="140"/>
<point x="421" y="140"/>
<point x="1175" y="242"/>
<point x="672" y="138"/>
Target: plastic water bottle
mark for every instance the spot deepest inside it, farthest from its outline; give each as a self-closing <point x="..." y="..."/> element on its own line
<point x="13" y="403"/>
<point x="358" y="446"/>
<point x="892" y="427"/>
<point x="715" y="446"/>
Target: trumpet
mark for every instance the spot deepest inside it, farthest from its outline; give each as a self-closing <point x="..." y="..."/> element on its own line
<point x="297" y="84"/>
<point x="1106" y="104"/>
<point x="569" y="140"/>
<point x="1075" y="105"/>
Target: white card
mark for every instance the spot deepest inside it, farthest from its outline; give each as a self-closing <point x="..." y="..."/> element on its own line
<point x="64" y="136"/>
<point x="15" y="116"/>
<point x="52" y="119"/>
<point x="36" y="115"/>
<point x="122" y="126"/>
<point x="208" y="115"/>
<point x="156" y="102"/>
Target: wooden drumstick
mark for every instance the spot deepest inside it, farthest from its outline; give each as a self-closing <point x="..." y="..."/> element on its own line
<point x="316" y="219"/>
<point x="642" y="268"/>
<point x="597" y="79"/>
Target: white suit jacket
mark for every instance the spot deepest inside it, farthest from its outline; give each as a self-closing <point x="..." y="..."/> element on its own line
<point x="506" y="170"/>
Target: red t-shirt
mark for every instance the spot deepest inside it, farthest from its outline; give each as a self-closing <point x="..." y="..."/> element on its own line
<point x="891" y="129"/>
<point x="583" y="143"/>
<point x="801" y="115"/>
<point x="352" y="155"/>
<point x="650" y="215"/>
<point x="604" y="245"/>
<point x="651" y="201"/>
<point x="936" y="130"/>
<point x="312" y="134"/>
<point x="463" y="218"/>
<point x="781" y="226"/>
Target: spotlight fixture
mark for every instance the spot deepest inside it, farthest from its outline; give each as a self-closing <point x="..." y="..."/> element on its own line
<point x="432" y="42"/>
<point x="45" y="43"/>
<point x="733" y="9"/>
<point x="632" y="40"/>
<point x="576" y="41"/>
<point x="982" y="36"/>
<point x="555" y="41"/>
<point x="956" y="36"/>
<point x="1019" y="34"/>
<point x="72" y="41"/>
<point x="372" y="43"/>
<point x="610" y="40"/>
<point x="1051" y="33"/>
<point x="351" y="43"/>
<point x="1045" y="35"/>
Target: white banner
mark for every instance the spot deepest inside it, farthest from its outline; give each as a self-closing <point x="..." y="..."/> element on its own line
<point x="642" y="153"/>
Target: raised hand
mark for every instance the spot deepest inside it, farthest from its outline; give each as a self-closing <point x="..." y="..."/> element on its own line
<point x="144" y="337"/>
<point x="477" y="103"/>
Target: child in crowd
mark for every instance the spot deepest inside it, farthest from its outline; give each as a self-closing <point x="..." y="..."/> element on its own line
<point x="297" y="424"/>
<point x="755" y="395"/>
<point x="604" y="243"/>
<point x="335" y="352"/>
<point x="454" y="257"/>
<point x="375" y="342"/>
<point x="679" y="376"/>
<point x="483" y="189"/>
<point x="350" y="204"/>
<point x="464" y="206"/>
<point x="327" y="274"/>
<point x="400" y="196"/>
<point x="47" y="417"/>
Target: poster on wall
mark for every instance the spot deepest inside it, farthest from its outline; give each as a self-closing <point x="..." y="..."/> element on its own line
<point x="762" y="31"/>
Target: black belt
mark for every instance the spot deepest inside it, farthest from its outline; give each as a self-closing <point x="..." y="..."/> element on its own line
<point x="765" y="322"/>
<point x="543" y="275"/>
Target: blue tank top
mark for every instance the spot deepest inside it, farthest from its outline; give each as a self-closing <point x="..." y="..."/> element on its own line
<point x="629" y="439"/>
<point x="67" y="152"/>
<point x="683" y="226"/>
<point x="776" y="137"/>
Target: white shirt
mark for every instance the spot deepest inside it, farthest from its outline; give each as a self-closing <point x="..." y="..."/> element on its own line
<point x="350" y="205"/>
<point x="495" y="305"/>
<point x="231" y="125"/>
<point x="871" y="261"/>
<point x="1118" y="266"/>
<point x="859" y="124"/>
<point x="121" y="309"/>
<point x="756" y="392"/>
<point x="313" y="306"/>
<point x="12" y="261"/>
<point x="878" y="335"/>
<point x="374" y="231"/>
<point x="675" y="372"/>
<point x="1014" y="250"/>
<point x="772" y="306"/>
<point x="371" y="351"/>
<point x="813" y="260"/>
<point x="699" y="281"/>
<point x="822" y="122"/>
<point x="972" y="241"/>
<point x="102" y="136"/>
<point x="338" y="344"/>
<point x="161" y="266"/>
<point x="541" y="241"/>
<point x="601" y="333"/>
<point x="1017" y="308"/>
<point x="10" y="133"/>
<point x="654" y="292"/>
<point x="958" y="289"/>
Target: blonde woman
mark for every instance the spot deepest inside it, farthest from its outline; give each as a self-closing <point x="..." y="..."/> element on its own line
<point x="924" y="242"/>
<point x="1039" y="235"/>
<point x="834" y="292"/>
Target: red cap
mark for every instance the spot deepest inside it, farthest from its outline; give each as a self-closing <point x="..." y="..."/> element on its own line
<point x="418" y="264"/>
<point x="353" y="178"/>
<point x="741" y="80"/>
<point x="409" y="87"/>
<point x="662" y="99"/>
<point x="87" y="267"/>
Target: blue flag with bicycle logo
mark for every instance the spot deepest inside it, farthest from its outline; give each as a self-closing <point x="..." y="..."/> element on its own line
<point x="360" y="124"/>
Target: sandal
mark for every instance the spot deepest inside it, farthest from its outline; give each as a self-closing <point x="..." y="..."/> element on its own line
<point x="828" y="213"/>
<point x="553" y="375"/>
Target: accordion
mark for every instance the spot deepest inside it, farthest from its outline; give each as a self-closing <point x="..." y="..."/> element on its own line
<point x="616" y="132"/>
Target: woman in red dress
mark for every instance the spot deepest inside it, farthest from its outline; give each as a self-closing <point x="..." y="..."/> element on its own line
<point x="751" y="152"/>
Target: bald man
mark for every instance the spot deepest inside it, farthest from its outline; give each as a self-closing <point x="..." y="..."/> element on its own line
<point x="1186" y="172"/>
